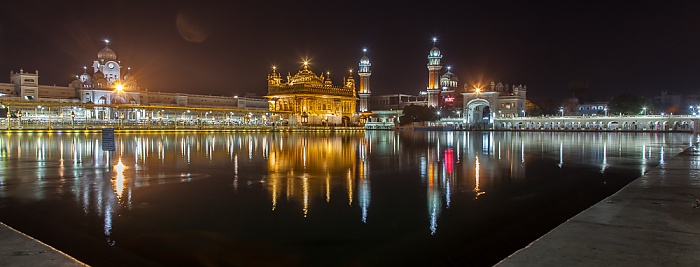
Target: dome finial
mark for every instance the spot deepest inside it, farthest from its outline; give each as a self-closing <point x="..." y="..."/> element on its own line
<point x="434" y="40"/>
<point x="106" y="42"/>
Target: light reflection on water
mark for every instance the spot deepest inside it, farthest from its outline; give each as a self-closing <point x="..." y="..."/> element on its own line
<point x="307" y="171"/>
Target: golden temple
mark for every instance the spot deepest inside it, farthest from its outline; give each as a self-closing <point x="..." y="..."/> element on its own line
<point x="312" y="99"/>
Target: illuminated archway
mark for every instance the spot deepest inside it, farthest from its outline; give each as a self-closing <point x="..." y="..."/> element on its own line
<point x="478" y="112"/>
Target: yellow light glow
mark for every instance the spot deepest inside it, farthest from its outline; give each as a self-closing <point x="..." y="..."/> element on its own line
<point x="119" y="87"/>
<point x="119" y="181"/>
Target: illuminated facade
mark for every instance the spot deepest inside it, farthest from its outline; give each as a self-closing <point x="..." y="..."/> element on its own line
<point x="311" y="99"/>
<point x="107" y="85"/>
<point x="463" y="107"/>
<point x="450" y="99"/>
<point x="482" y="104"/>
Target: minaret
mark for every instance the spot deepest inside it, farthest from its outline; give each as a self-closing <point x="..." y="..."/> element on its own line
<point x="434" y="68"/>
<point x="364" y="73"/>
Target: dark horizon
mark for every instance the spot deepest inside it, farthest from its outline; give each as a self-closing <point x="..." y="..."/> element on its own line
<point x="228" y="49"/>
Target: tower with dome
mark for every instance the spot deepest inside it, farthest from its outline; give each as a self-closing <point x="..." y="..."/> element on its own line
<point x="364" y="91"/>
<point x="434" y="67"/>
<point x="106" y="85"/>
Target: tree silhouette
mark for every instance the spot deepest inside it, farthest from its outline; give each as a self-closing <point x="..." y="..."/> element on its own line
<point x="415" y="113"/>
<point x="628" y="104"/>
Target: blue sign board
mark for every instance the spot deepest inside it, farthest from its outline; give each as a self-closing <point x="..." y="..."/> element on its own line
<point x="108" y="139"/>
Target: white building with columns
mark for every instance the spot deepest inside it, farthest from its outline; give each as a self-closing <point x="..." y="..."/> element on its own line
<point x="111" y="83"/>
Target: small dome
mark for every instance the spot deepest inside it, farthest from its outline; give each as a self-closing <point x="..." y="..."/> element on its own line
<point x="364" y="60"/>
<point x="107" y="54"/>
<point x="435" y="52"/>
<point x="448" y="75"/>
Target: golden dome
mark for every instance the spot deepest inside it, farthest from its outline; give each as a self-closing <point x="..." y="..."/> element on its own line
<point x="306" y="76"/>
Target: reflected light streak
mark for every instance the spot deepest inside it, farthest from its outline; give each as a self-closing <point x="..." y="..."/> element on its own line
<point x="477" y="182"/>
<point x="250" y="149"/>
<point x="605" y="158"/>
<point x="350" y="187"/>
<point x="119" y="181"/>
<point x="305" y="192"/>
<point x="273" y="185"/>
<point x="235" y="172"/>
<point x="364" y="190"/>
<point x="561" y="154"/>
<point x="499" y="150"/>
<point x="423" y="169"/>
<point x="449" y="161"/>
<point x="108" y="225"/>
<point x="328" y="187"/>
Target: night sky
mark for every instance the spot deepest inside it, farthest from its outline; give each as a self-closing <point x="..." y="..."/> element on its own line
<point x="219" y="48"/>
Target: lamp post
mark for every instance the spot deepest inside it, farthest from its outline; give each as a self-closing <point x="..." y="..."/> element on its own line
<point x="19" y="116"/>
<point x="645" y="110"/>
<point x="606" y="111"/>
<point x="561" y="109"/>
<point x="72" y="119"/>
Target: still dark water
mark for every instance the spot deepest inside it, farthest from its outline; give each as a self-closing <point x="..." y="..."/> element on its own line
<point x="312" y="199"/>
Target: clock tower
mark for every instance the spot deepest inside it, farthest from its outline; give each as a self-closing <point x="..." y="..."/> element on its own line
<point x="434" y="68"/>
<point x="107" y="64"/>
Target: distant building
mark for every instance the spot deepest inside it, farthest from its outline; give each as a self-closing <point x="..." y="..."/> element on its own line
<point x="396" y="101"/>
<point x="106" y="85"/>
<point x="677" y="103"/>
<point x="472" y="105"/>
<point x="482" y="104"/>
<point x="592" y="109"/>
<point x="312" y="99"/>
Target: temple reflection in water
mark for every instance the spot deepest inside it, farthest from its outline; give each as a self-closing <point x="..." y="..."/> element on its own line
<point x="308" y="170"/>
